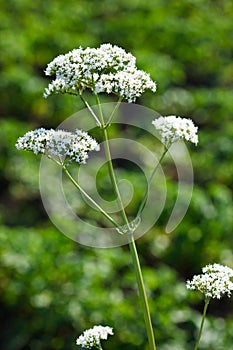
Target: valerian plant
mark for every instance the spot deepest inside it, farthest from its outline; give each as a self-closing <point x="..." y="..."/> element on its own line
<point x="214" y="282"/>
<point x="110" y="69"/>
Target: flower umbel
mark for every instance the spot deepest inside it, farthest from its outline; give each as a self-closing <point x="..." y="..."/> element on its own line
<point x="59" y="145"/>
<point x="174" y="128"/>
<point x="91" y="337"/>
<point x="127" y="84"/>
<point x="108" y="69"/>
<point x="218" y="268"/>
<point x="214" y="282"/>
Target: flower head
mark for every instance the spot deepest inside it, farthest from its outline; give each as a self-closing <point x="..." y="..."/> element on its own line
<point x="91" y="337"/>
<point x="107" y="69"/>
<point x="214" y="282"/>
<point x="127" y="84"/>
<point x="59" y="144"/>
<point x="174" y="128"/>
<point x="217" y="268"/>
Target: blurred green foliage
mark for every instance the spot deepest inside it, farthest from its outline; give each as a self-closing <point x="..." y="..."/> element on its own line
<point x="51" y="288"/>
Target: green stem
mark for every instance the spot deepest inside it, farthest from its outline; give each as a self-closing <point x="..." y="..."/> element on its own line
<point x="91" y="200"/>
<point x="142" y="294"/>
<point x="91" y="111"/>
<point x="109" y="162"/>
<point x="114" y="111"/>
<point x="99" y="347"/>
<point x="202" y="323"/>
<point x="144" y="199"/>
<point x="132" y="245"/>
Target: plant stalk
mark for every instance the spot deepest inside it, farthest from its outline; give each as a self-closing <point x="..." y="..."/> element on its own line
<point x="144" y="199"/>
<point x="86" y="195"/>
<point x="142" y="293"/>
<point x="132" y="245"/>
<point x="114" y="111"/>
<point x="202" y="323"/>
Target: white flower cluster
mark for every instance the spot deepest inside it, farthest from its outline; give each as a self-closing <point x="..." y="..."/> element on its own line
<point x="59" y="144"/>
<point x="127" y="84"/>
<point x="174" y="128"/>
<point x="107" y="69"/>
<point x="91" y="337"/>
<point x="214" y="282"/>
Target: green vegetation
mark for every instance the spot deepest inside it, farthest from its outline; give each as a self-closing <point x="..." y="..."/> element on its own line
<point x="52" y="288"/>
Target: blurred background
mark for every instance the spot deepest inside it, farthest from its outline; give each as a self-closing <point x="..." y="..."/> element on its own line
<point x="52" y="288"/>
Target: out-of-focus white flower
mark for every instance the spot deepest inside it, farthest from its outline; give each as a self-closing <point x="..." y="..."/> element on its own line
<point x="174" y="128"/>
<point x="218" y="268"/>
<point x="107" y="69"/>
<point x="59" y="144"/>
<point x="91" y="337"/>
<point x="214" y="282"/>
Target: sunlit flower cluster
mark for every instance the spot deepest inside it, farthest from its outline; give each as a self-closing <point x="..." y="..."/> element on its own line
<point x="59" y="144"/>
<point x="174" y="128"/>
<point x="214" y="282"/>
<point x="91" y="337"/>
<point x="127" y="84"/>
<point x="107" y="69"/>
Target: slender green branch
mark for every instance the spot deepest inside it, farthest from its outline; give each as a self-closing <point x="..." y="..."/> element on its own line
<point x="110" y="165"/>
<point x="114" y="111"/>
<point x="101" y="116"/>
<point x="142" y="293"/>
<point x="144" y="199"/>
<point x="91" y="200"/>
<point x="202" y="323"/>
<point x="132" y="245"/>
<point x="90" y="110"/>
